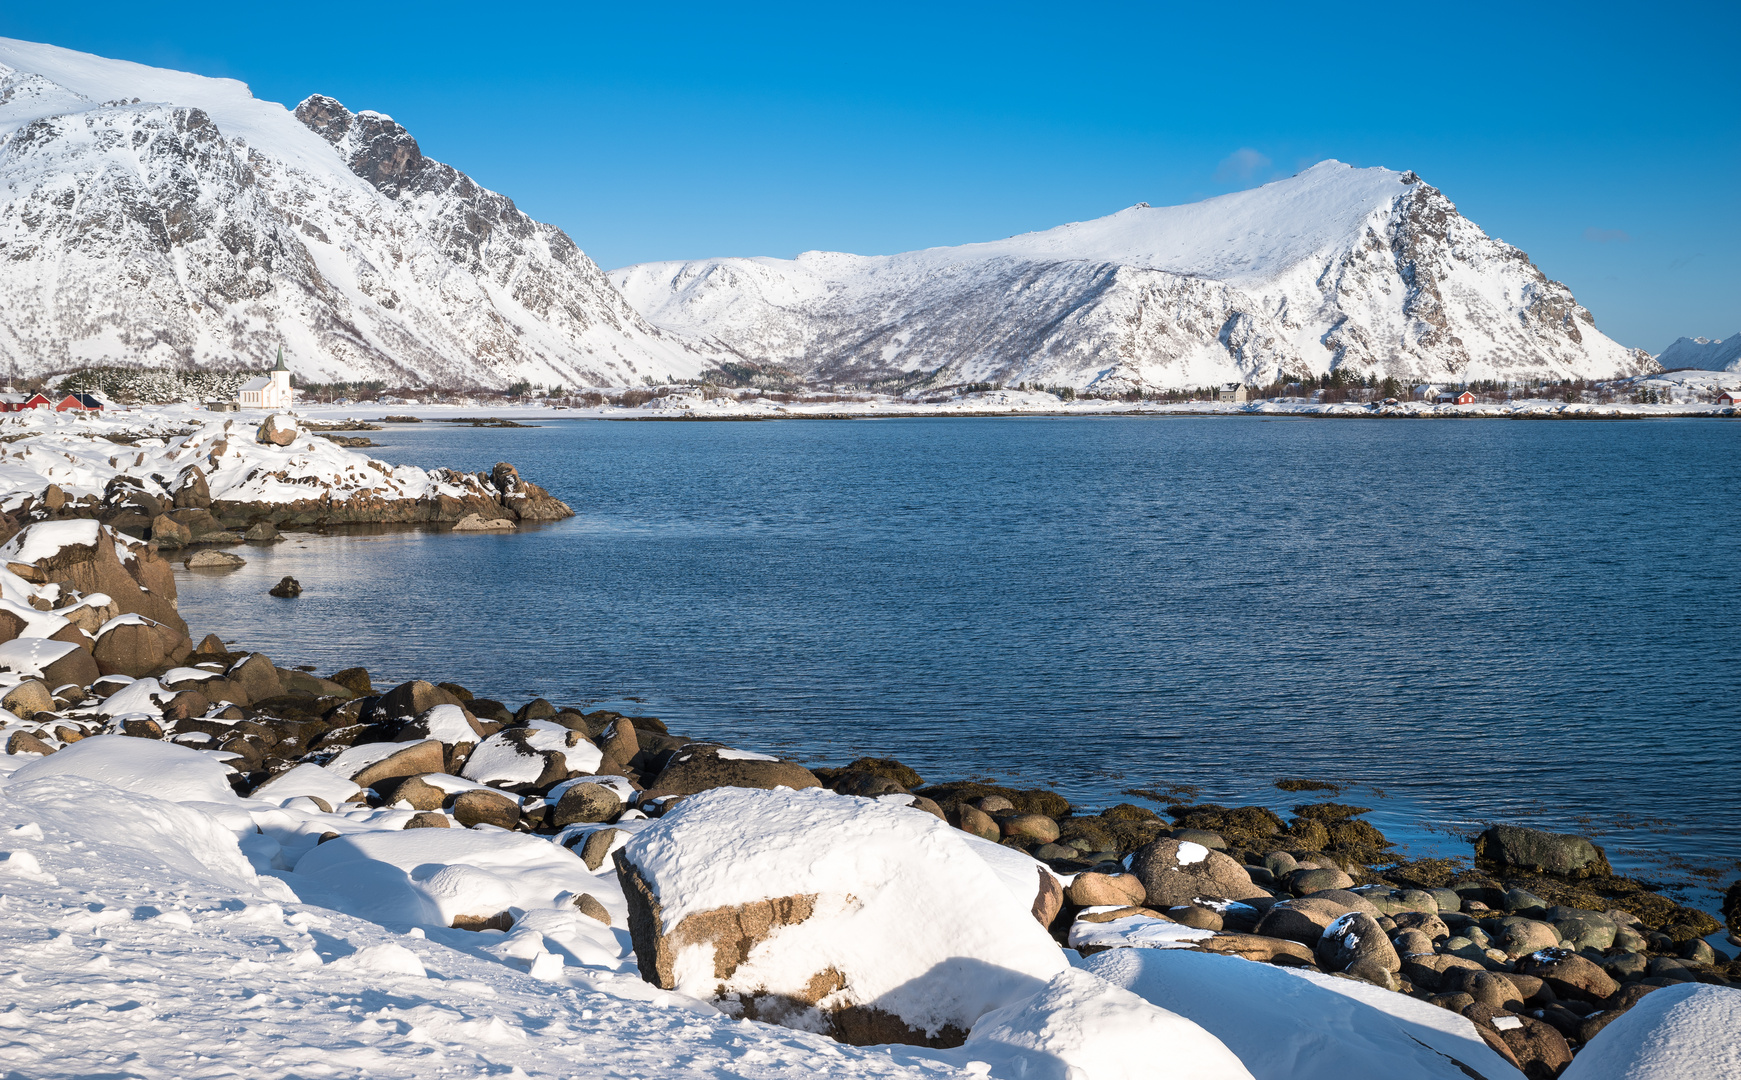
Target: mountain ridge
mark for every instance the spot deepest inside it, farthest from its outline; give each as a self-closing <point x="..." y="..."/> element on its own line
<point x="209" y="228"/>
<point x="1335" y="267"/>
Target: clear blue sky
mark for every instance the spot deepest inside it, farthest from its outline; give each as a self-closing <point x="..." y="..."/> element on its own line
<point x="1603" y="139"/>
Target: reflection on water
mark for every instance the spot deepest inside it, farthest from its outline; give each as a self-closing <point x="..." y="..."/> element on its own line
<point x="1512" y="620"/>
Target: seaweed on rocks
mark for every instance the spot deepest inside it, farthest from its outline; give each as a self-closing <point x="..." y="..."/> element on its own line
<point x="1028" y="801"/>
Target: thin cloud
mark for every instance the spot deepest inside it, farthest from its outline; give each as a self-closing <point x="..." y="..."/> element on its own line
<point x="1606" y="236"/>
<point x="1242" y="164"/>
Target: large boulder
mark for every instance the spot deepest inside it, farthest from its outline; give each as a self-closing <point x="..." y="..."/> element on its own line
<point x="1356" y="944"/>
<point x="1561" y="854"/>
<point x="89" y="558"/>
<point x="1177" y="872"/>
<point x="702" y="768"/>
<point x="278" y="430"/>
<point x="135" y="646"/>
<point x="1570" y="975"/>
<point x="871" y="921"/>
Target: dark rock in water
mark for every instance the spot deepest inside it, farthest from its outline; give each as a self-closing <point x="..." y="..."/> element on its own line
<point x="261" y="533"/>
<point x="288" y="587"/>
<point x="701" y="768"/>
<point x="1732" y="909"/>
<point x="1560" y="854"/>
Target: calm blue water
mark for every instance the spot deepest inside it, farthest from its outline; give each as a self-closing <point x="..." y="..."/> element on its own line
<point x="1504" y="620"/>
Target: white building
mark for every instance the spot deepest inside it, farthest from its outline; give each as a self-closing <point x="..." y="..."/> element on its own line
<point x="269" y="391"/>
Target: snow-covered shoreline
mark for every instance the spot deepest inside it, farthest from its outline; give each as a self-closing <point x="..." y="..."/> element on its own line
<point x="431" y="879"/>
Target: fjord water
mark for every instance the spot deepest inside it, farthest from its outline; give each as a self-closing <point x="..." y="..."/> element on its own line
<point x="1486" y="620"/>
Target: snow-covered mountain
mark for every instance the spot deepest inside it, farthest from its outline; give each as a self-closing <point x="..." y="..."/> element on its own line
<point x="156" y="218"/>
<point x="1364" y="269"/>
<point x="1703" y="353"/>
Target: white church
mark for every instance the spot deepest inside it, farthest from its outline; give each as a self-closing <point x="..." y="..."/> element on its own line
<point x="269" y="391"/>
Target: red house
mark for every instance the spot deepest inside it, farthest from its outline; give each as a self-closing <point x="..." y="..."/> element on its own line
<point x="20" y="402"/>
<point x="1729" y="397"/>
<point x="79" y="403"/>
<point x="1464" y="398"/>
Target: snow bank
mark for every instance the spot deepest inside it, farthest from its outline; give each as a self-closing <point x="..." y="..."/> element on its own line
<point x="913" y="920"/>
<point x="1289" y="1025"/>
<point x="146" y="766"/>
<point x="429" y="877"/>
<point x="47" y="539"/>
<point x="1686" y="1032"/>
<point x="1080" y="1027"/>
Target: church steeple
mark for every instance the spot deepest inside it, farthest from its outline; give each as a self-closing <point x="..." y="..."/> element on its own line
<point x="280" y="366"/>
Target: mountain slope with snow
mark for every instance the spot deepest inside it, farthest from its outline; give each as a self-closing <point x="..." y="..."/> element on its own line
<point x="1367" y="270"/>
<point x="1703" y="354"/>
<point x="157" y="218"/>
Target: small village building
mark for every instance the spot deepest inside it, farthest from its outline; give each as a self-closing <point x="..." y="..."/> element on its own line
<point x="1426" y="392"/>
<point x="1231" y="392"/>
<point x="79" y="403"/>
<point x="1729" y="397"/>
<point x="20" y="402"/>
<point x="1463" y="397"/>
<point x="269" y="391"/>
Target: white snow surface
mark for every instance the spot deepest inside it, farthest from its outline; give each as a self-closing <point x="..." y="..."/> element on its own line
<point x="906" y="910"/>
<point x="1080" y="1027"/>
<point x="1134" y="931"/>
<point x="1686" y="1032"/>
<point x="269" y="235"/>
<point x="47" y="539"/>
<point x="1367" y="269"/>
<point x="1286" y="1024"/>
<point x="148" y="947"/>
<point x="145" y="766"/>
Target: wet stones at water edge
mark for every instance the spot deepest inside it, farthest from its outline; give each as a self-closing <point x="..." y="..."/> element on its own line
<point x="287" y="587"/>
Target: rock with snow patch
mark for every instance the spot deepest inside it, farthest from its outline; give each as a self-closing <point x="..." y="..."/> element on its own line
<point x="278" y="430"/>
<point x="1355" y="943"/>
<point x="212" y="559"/>
<point x="1178" y="872"/>
<point x="28" y="698"/>
<point x="477" y="523"/>
<point x="1570" y="974"/>
<point x="135" y="646"/>
<point x="585" y="804"/>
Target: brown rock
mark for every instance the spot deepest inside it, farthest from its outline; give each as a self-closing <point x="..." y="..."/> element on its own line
<point x="1355" y="938"/>
<point x="501" y="920"/>
<point x="428" y="819"/>
<point x="356" y="680"/>
<point x="973" y="820"/>
<point x="1090" y="889"/>
<point x="1268" y="950"/>
<point x="1570" y="975"/>
<point x="27" y="699"/>
<point x="480" y="807"/>
<point x="586" y="803"/>
<point x="415" y="792"/>
<point x="411" y="699"/>
<point x="24" y="742"/>
<point x="589" y="906"/>
<point x="1032" y="826"/>
<point x="1539" y="1050"/>
<point x="696" y="769"/>
<point x="414" y="760"/>
<point x="597" y="847"/>
<point x="278" y="430"/>
<point x="167" y="532"/>
<point x="136" y="649"/>
<point x="1049" y="899"/>
<point x="76" y="668"/>
<point x="1169" y="881"/>
<point x="618" y="743"/>
<point x="258" y="679"/>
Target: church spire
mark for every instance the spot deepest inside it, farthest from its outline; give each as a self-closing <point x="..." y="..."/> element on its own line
<point x="280" y="366"/>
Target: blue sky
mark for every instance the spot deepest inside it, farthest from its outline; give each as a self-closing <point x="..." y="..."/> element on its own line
<point x="1604" y="140"/>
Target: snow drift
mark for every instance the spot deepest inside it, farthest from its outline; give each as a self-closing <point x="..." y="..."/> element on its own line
<point x="1363" y="269"/>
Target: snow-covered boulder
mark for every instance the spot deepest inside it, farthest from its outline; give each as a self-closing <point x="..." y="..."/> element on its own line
<point x="165" y="770"/>
<point x="1180" y="871"/>
<point x="1081" y="1026"/>
<point x="871" y="921"/>
<point x="1289" y="1024"/>
<point x="1686" y="1032"/>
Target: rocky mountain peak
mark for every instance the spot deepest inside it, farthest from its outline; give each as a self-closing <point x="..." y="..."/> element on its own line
<point x="376" y="147"/>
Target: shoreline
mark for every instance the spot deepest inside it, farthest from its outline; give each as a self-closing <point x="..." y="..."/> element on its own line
<point x="1535" y="926"/>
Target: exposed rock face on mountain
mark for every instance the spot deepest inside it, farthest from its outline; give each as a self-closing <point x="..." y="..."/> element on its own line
<point x="1703" y="353"/>
<point x="155" y="218"/>
<point x="1363" y="269"/>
